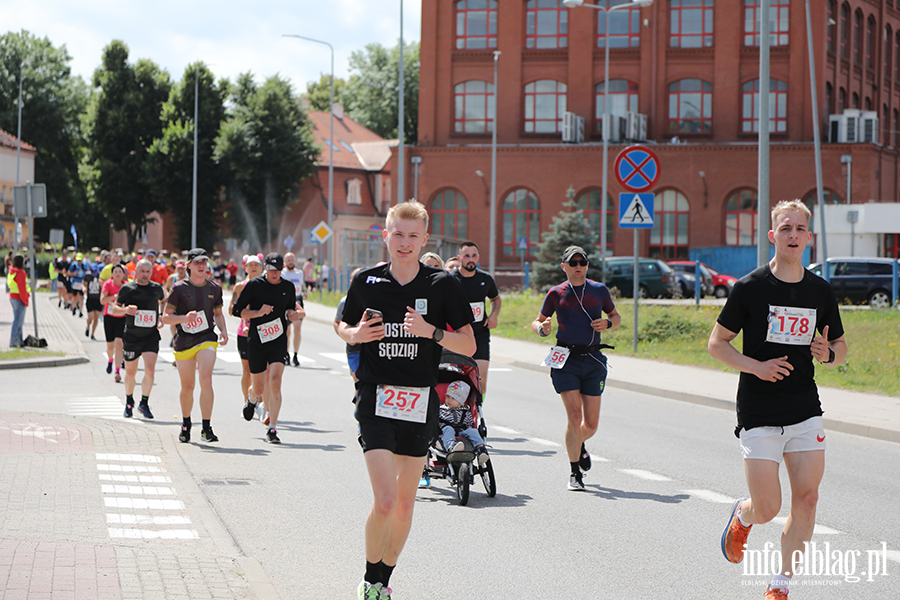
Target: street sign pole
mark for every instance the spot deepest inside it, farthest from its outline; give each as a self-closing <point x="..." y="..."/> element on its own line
<point x="637" y="293"/>
<point x="33" y="258"/>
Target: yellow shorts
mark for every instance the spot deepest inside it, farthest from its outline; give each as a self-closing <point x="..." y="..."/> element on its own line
<point x="192" y="352"/>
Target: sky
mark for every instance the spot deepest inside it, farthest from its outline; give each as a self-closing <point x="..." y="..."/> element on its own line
<point x="230" y="36"/>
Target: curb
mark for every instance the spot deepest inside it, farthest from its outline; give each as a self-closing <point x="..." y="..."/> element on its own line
<point x="50" y="361"/>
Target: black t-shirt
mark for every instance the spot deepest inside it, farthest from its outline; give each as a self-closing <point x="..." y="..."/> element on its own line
<point x="280" y="296"/>
<point x="763" y="306"/>
<point x="477" y="288"/>
<point x="147" y="299"/>
<point x="204" y="299"/>
<point x="62" y="268"/>
<point x="94" y="286"/>
<point x="401" y="358"/>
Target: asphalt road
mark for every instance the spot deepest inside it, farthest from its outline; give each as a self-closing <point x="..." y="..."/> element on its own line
<point x="648" y="525"/>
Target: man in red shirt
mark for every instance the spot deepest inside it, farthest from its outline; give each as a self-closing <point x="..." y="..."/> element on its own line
<point x="159" y="274"/>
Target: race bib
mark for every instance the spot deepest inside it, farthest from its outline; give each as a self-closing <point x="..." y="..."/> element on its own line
<point x="402" y="403"/>
<point x="270" y="331"/>
<point x="794" y="326"/>
<point x="477" y="311"/>
<point x="145" y="318"/>
<point x="556" y="358"/>
<point x="198" y="325"/>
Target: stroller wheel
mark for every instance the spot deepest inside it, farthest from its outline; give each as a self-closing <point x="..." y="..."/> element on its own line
<point x="462" y="483"/>
<point x="487" y="478"/>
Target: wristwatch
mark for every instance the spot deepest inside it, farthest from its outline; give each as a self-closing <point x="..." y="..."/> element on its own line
<point x="608" y="324"/>
<point x="438" y="334"/>
<point x="830" y="357"/>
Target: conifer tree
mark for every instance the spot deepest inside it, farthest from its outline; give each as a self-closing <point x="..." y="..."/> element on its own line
<point x="569" y="228"/>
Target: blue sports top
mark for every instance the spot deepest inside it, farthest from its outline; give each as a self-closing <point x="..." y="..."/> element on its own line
<point x="576" y="307"/>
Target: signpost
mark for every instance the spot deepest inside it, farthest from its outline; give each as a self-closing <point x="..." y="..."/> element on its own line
<point x="523" y="250"/>
<point x="637" y="170"/>
<point x="31" y="199"/>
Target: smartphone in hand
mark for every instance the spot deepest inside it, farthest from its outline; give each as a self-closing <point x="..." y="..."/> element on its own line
<point x="371" y="313"/>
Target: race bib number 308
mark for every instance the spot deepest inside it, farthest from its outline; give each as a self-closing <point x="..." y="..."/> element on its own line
<point x="402" y="403"/>
<point x="270" y="331"/>
<point x="789" y="325"/>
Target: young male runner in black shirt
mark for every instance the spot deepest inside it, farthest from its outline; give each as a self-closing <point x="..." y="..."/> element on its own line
<point x="140" y="301"/>
<point x="779" y="307"/>
<point x="269" y="302"/>
<point x="396" y="405"/>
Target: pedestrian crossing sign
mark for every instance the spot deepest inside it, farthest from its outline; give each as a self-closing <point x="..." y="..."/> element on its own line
<point x="635" y="211"/>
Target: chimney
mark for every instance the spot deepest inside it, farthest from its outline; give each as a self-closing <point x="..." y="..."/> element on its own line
<point x="337" y="110"/>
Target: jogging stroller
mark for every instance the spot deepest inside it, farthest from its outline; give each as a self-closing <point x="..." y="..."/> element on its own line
<point x="460" y="467"/>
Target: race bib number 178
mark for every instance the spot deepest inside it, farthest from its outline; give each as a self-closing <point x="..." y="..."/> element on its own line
<point x="789" y="325"/>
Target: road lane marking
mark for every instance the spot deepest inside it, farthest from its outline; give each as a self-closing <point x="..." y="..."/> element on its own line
<point x="341" y="357"/>
<point x="137" y="490"/>
<point x="150" y="534"/>
<point x="641" y="474"/>
<point x="129" y="468"/>
<point x="498" y="369"/>
<point x="135" y="478"/>
<point x="820" y="529"/>
<point x="118" y="519"/>
<point x="594" y="457"/>
<point x="710" y="496"/>
<point x="141" y="503"/>
<point x="504" y="430"/>
<point x="129" y="458"/>
<point x="893" y="555"/>
<point x="105" y="407"/>
<point x="544" y="442"/>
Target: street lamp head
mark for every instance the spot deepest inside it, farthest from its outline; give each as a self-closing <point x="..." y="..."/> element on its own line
<point x="479" y="173"/>
<point x="640" y="3"/>
<point x="573" y="3"/>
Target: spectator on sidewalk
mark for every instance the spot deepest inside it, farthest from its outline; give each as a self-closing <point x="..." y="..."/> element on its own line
<point x="17" y="282"/>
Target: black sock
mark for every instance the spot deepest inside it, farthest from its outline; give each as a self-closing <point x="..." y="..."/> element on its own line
<point x="373" y="572"/>
<point x="576" y="470"/>
<point x="386" y="573"/>
<point x="129" y="399"/>
<point x="145" y="400"/>
<point x="205" y="424"/>
<point x="186" y="423"/>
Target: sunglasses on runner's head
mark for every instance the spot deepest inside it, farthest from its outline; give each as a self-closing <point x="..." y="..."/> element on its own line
<point x="578" y="263"/>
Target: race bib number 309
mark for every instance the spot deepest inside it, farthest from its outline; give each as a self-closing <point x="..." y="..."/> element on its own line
<point x="402" y="403"/>
<point x="789" y="325"/>
<point x="198" y="325"/>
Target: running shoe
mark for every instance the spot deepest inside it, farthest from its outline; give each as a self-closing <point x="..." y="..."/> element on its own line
<point x="776" y="594"/>
<point x="145" y="411"/>
<point x="287" y="360"/>
<point x="585" y="460"/>
<point x="295" y="361"/>
<point x="128" y="412"/>
<point x="249" y="409"/>
<point x="87" y="331"/>
<point x="734" y="538"/>
<point x="386" y="593"/>
<point x="424" y="482"/>
<point x="260" y="410"/>
<point x="482" y="454"/>
<point x="457" y="447"/>
<point x="109" y="367"/>
<point x="575" y="482"/>
<point x="207" y="435"/>
<point x="272" y="437"/>
<point x="118" y="377"/>
<point x="93" y="338"/>
<point x="80" y="314"/>
<point x="185" y="435"/>
<point x="369" y="591"/>
<point x="266" y="419"/>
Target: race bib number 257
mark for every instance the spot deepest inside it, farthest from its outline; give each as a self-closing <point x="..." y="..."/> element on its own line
<point x="402" y="403"/>
<point x="789" y="325"/>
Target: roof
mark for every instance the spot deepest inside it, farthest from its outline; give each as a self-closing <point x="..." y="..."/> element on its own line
<point x="347" y="134"/>
<point x="11" y="141"/>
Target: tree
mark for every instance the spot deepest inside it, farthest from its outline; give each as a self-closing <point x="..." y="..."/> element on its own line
<point x="371" y="91"/>
<point x="122" y="122"/>
<point x="266" y="147"/>
<point x="319" y="92"/>
<point x="171" y="156"/>
<point x="53" y="105"/>
<point x="569" y="228"/>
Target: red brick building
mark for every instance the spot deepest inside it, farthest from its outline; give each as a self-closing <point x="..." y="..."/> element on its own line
<point x="690" y="66"/>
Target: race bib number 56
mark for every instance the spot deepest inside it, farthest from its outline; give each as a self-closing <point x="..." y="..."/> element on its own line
<point x="794" y="326"/>
<point x="556" y="358"/>
<point x="402" y="403"/>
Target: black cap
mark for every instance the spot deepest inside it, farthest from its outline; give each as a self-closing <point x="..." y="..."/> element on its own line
<point x="197" y="254"/>
<point x="572" y="251"/>
<point x="274" y="262"/>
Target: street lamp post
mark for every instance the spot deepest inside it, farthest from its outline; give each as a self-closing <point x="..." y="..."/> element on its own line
<point x="18" y="158"/>
<point x="492" y="265"/>
<point x="194" y="183"/>
<point x="401" y="125"/>
<point x="330" y="242"/>
<point x="606" y="128"/>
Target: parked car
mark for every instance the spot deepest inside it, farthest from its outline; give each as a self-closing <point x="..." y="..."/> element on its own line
<point x="686" y="269"/>
<point x="860" y="280"/>
<point x="655" y="278"/>
<point x="722" y="284"/>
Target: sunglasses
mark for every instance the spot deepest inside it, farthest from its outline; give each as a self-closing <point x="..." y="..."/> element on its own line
<point x="578" y="263"/>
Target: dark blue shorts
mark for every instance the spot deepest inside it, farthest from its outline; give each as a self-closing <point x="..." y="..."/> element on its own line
<point x="353" y="361"/>
<point x="585" y="373"/>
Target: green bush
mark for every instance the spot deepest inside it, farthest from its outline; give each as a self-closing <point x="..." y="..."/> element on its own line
<point x="672" y="326"/>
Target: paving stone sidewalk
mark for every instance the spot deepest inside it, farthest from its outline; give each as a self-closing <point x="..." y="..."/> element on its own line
<point x="52" y="326"/>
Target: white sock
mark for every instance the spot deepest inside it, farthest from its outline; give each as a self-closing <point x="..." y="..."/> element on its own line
<point x="780" y="581"/>
<point x="741" y="518"/>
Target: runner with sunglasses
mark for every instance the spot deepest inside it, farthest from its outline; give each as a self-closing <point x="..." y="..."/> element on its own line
<point x="577" y="365"/>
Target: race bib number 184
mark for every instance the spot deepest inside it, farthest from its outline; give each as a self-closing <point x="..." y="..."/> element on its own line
<point x="789" y="325"/>
<point x="402" y="403"/>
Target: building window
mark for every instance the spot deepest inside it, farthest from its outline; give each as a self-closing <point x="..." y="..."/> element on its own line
<point x="547" y="24"/>
<point x="521" y="219"/>
<point x="545" y="105"/>
<point x="353" y="191"/>
<point x="450" y="215"/>
<point x="888" y="54"/>
<point x="857" y="36"/>
<point x="778" y="22"/>
<point x="897" y="56"/>
<point x="868" y="103"/>
<point x="842" y="100"/>
<point x="690" y="106"/>
<point x="777" y="106"/>
<point x="845" y="30"/>
<point x="474" y="107"/>
<point x="870" y="42"/>
<point x="691" y="23"/>
<point x="892" y="245"/>
<point x="829" y="98"/>
<point x="476" y="24"/>
<point x="885" y="125"/>
<point x="893" y="133"/>
<point x="831" y="31"/>
<point x="740" y="218"/>
<point x="589" y="202"/>
<point x="624" y="25"/>
<point x="854" y="103"/>
<point x="669" y="236"/>
<point x="623" y="97"/>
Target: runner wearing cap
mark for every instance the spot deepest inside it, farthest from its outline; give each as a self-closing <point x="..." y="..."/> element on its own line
<point x="194" y="305"/>
<point x="139" y="302"/>
<point x="577" y="365"/>
<point x="252" y="402"/>
<point x="268" y="303"/>
<point x="160" y="274"/>
<point x="295" y="276"/>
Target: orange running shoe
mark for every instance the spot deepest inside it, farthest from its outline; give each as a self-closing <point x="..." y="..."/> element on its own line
<point x="776" y="594"/>
<point x="735" y="536"/>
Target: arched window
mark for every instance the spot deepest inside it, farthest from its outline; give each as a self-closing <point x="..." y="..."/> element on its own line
<point x="868" y="103"/>
<point x="829" y="98"/>
<point x="888" y="52"/>
<point x="474" y="107"/>
<point x="546" y="24"/>
<point x="690" y="106"/>
<point x="870" y="42"/>
<point x="810" y="200"/>
<point x="777" y="106"/>
<point x="858" y="37"/>
<point x="589" y="202"/>
<point x="624" y="25"/>
<point x="845" y="30"/>
<point x="842" y="100"/>
<point x="545" y="105"/>
<point x="740" y="218"/>
<point x="623" y="97"/>
<point x="832" y="25"/>
<point x="897" y="56"/>
<point x="521" y="219"/>
<point x="476" y="24"/>
<point x="778" y="22"/>
<point x="450" y="215"/>
<point x="885" y="125"/>
<point x="854" y="103"/>
<point x="691" y="23"/>
<point x="669" y="236"/>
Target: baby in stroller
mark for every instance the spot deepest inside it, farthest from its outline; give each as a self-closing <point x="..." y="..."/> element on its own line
<point x="456" y="420"/>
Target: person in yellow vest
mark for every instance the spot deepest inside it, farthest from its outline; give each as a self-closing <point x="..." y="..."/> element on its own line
<point x="19" y="292"/>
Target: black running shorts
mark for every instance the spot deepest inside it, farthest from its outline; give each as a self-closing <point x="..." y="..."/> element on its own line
<point x="114" y="327"/>
<point x="93" y="304"/>
<point x="482" y="345"/>
<point x="243" y="347"/>
<point x="399" y="437"/>
<point x="260" y="356"/>
<point x="133" y="347"/>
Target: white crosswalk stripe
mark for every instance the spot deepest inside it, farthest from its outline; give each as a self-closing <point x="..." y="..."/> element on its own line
<point x="104" y="407"/>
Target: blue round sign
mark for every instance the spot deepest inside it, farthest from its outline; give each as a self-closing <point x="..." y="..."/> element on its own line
<point x="637" y="168"/>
